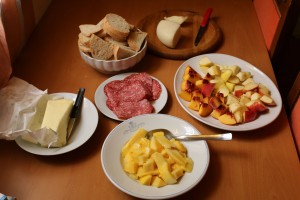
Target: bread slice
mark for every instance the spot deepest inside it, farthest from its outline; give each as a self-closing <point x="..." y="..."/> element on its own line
<point x="135" y="39"/>
<point x="113" y="41"/>
<point x="121" y="52"/>
<point x="84" y="48"/>
<point x="89" y="29"/>
<point x="116" y="26"/>
<point x="85" y="40"/>
<point x="101" y="49"/>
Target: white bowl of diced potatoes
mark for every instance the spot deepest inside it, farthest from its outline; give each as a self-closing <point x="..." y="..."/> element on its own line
<point x="153" y="181"/>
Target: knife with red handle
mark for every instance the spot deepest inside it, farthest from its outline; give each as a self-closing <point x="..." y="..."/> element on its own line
<point x="203" y="26"/>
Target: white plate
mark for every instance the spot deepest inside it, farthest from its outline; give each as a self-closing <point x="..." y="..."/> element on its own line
<point x="111" y="151"/>
<point x="100" y="97"/>
<point x="84" y="129"/>
<point x="228" y="60"/>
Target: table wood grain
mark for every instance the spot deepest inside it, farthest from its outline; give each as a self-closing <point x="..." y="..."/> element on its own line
<point x="260" y="164"/>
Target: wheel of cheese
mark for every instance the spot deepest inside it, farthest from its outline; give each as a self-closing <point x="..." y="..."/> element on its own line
<point x="168" y="32"/>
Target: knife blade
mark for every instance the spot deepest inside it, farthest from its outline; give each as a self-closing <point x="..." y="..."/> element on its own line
<point x="76" y="110"/>
<point x="203" y="26"/>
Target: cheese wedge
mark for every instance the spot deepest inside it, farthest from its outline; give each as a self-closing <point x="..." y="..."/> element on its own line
<point x="168" y="32"/>
<point x="177" y="19"/>
<point x="57" y="117"/>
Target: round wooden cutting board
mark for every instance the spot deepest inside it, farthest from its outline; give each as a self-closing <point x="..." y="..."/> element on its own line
<point x="185" y="47"/>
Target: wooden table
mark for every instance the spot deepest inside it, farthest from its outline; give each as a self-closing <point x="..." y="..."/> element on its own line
<point x="260" y="164"/>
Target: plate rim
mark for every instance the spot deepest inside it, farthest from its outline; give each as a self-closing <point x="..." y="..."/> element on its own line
<point x="218" y="124"/>
<point x="62" y="150"/>
<point x="100" y="92"/>
<point x="200" y="176"/>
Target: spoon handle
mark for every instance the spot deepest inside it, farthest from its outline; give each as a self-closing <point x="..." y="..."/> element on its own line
<point x="225" y="136"/>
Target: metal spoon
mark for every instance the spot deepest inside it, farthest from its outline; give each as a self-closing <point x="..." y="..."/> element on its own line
<point x="169" y="135"/>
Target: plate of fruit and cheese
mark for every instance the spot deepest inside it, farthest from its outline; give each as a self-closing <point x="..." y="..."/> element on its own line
<point x="226" y="92"/>
<point x="143" y="167"/>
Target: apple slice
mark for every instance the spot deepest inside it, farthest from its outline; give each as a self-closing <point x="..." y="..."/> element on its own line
<point x="255" y="96"/>
<point x="231" y="99"/>
<point x="237" y="106"/>
<point x="205" y="61"/>
<point x="268" y="100"/>
<point x="230" y="86"/>
<point x="244" y="99"/>
<point x="263" y="90"/>
<point x="214" y="70"/>
<point x="235" y="69"/>
<point x="234" y="79"/>
<point x="223" y="89"/>
<point x="250" y="115"/>
<point x="248" y="80"/>
<point x="243" y="75"/>
<point x="226" y="74"/>
<point x="257" y="106"/>
<point x="239" y="116"/>
<point x="251" y="86"/>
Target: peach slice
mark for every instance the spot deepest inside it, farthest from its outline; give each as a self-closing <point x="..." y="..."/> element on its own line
<point x="205" y="109"/>
<point x="227" y="118"/>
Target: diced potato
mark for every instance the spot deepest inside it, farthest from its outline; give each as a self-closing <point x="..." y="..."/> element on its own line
<point x="138" y="135"/>
<point x="176" y="156"/>
<point x="155" y="145"/>
<point x="163" y="141"/>
<point x="146" y="180"/>
<point x="129" y="165"/>
<point x="149" y="165"/>
<point x="177" y="173"/>
<point x="156" y="162"/>
<point x="163" y="168"/>
<point x="158" y="182"/>
<point x="189" y="165"/>
<point x="179" y="146"/>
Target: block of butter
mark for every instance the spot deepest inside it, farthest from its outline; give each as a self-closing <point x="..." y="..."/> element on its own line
<point x="57" y="117"/>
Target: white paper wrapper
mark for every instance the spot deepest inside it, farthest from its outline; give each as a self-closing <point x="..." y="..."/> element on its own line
<point x="22" y="106"/>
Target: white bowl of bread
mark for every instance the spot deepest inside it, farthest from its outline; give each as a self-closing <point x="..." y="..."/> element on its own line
<point x="113" y="45"/>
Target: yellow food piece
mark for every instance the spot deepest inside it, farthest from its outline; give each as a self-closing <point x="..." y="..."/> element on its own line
<point x="156" y="162"/>
<point x="158" y="182"/>
<point x="57" y="115"/>
<point x="145" y="180"/>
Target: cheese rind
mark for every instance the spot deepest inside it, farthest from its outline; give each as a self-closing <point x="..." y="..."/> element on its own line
<point x="168" y="33"/>
<point x="177" y="19"/>
<point x="57" y="117"/>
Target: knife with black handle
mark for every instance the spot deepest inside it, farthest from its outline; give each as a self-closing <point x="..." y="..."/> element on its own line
<point x="76" y="110"/>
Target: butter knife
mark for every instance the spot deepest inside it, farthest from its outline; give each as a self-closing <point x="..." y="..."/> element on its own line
<point x="203" y="26"/>
<point x="76" y="110"/>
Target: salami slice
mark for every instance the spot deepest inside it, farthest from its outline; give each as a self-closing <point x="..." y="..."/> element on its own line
<point x="156" y="90"/>
<point x="126" y="110"/>
<point x="131" y="96"/>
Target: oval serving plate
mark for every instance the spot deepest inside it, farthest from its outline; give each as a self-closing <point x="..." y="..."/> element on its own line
<point x="111" y="151"/>
<point x="228" y="60"/>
